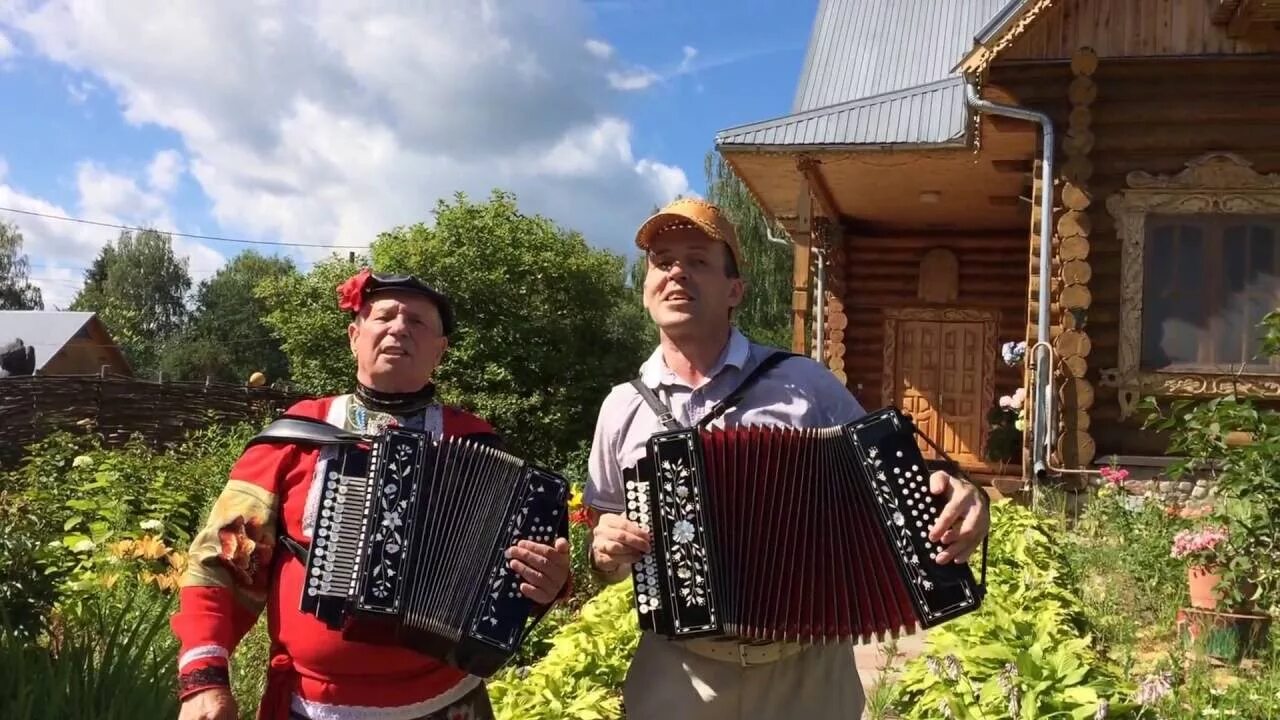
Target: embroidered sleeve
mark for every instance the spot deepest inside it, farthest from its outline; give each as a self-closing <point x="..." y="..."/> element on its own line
<point x="224" y="588"/>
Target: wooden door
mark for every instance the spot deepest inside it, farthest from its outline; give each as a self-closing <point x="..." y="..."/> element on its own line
<point x="939" y="368"/>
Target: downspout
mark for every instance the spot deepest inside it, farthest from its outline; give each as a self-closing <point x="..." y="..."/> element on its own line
<point x="1042" y="351"/>
<point x="820" y="291"/>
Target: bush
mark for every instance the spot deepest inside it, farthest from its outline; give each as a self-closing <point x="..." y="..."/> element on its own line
<point x="581" y="676"/>
<point x="1027" y="652"/>
<point x="115" y="660"/>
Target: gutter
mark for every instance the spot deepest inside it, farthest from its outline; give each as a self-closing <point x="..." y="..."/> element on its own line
<point x="1042" y="390"/>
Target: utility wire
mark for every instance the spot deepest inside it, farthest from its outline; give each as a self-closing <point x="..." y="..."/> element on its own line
<point x="180" y="234"/>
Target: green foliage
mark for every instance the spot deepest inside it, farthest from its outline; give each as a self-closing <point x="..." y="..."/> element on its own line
<point x="27" y="593"/>
<point x="114" y="661"/>
<point x="312" y="330"/>
<point x="545" y="324"/>
<point x="1246" y="480"/>
<point x="1027" y="652"/>
<point x="1128" y="580"/>
<point x="75" y="497"/>
<point x="226" y="338"/>
<point x="138" y="287"/>
<point x="581" y="676"/>
<point x="17" y="292"/>
<point x="765" y="313"/>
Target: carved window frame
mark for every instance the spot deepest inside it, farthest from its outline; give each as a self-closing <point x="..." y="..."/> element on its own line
<point x="1214" y="183"/>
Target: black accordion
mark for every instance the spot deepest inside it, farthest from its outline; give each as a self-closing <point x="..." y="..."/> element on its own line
<point x="817" y="535"/>
<point x="410" y="539"/>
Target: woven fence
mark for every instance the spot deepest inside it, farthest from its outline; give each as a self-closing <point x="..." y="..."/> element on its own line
<point x="117" y="408"/>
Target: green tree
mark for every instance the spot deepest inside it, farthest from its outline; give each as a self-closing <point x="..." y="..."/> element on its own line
<point x="138" y="287"/>
<point x="16" y="290"/>
<point x="546" y="324"/>
<point x="226" y="338"/>
<point x="765" y="313"/>
<point x="312" y="331"/>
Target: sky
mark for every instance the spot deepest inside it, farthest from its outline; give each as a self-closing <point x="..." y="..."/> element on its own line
<point x="324" y="123"/>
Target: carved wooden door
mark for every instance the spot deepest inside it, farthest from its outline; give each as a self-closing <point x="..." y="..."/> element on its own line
<point x="918" y="377"/>
<point x="939" y="366"/>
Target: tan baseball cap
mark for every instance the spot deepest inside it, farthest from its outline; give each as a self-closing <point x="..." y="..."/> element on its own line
<point x="691" y="212"/>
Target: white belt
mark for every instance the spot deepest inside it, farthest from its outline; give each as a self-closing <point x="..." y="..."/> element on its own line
<point x="744" y="654"/>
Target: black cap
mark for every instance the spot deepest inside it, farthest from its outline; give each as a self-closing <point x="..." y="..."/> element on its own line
<point x="367" y="283"/>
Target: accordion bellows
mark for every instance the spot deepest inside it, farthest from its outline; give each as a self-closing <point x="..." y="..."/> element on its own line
<point x="814" y="535"/>
<point x="410" y="540"/>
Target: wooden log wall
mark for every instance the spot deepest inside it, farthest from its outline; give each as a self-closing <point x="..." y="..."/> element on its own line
<point x="1075" y="444"/>
<point x="883" y="272"/>
<point x="837" y="321"/>
<point x="1134" y="28"/>
<point x="1151" y="115"/>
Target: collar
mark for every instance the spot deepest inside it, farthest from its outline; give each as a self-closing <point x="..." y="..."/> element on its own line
<point x="654" y="372"/>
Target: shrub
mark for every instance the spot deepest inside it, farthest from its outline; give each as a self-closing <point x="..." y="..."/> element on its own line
<point x="114" y="660"/>
<point x="1027" y="652"/>
<point x="581" y="676"/>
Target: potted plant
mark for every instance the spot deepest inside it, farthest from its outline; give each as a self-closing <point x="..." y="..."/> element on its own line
<point x="1203" y="548"/>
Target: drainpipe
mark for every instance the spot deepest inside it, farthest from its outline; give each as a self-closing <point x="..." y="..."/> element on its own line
<point x="820" y="316"/>
<point x="1042" y="351"/>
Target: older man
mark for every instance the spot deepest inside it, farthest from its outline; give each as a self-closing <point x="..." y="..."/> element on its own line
<point x="398" y="333"/>
<point x="690" y="290"/>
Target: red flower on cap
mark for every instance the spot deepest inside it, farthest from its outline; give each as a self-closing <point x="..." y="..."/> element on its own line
<point x="351" y="292"/>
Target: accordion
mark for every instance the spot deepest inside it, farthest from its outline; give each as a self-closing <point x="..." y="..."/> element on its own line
<point x="817" y="535"/>
<point x="410" y="538"/>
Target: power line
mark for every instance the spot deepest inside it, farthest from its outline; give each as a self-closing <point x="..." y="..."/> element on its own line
<point x="218" y="238"/>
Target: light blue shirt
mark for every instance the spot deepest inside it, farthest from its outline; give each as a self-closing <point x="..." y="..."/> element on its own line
<point x="798" y="393"/>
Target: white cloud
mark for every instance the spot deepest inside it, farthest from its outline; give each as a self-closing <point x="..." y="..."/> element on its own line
<point x="60" y="251"/>
<point x="324" y="123"/>
<point x="6" y="47"/>
<point x="686" y="62"/>
<point x="4" y="168"/>
<point x="165" y="170"/>
<point x="639" y="79"/>
<point x="599" y="48"/>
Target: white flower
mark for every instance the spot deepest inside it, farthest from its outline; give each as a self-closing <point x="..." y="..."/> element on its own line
<point x="682" y="532"/>
<point x="83" y="546"/>
<point x="82" y="461"/>
<point x="152" y="524"/>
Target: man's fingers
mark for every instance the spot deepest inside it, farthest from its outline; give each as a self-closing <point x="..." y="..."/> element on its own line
<point x="622" y="539"/>
<point x="938" y="482"/>
<point x="528" y="572"/>
<point x="542" y="597"/>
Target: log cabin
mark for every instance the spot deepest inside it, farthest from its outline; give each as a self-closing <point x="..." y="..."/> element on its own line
<point x="931" y="147"/>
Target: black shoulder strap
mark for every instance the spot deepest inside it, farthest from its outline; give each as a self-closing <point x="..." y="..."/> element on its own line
<point x="661" y="410"/>
<point x="304" y="430"/>
<point x="735" y="397"/>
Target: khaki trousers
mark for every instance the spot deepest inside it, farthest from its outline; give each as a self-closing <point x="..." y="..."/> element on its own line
<point x="670" y="681"/>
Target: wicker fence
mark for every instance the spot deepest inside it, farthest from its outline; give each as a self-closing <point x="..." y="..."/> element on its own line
<point x="118" y="407"/>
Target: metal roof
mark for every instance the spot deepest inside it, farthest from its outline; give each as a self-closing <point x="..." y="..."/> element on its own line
<point x="933" y="114"/>
<point x="880" y="72"/>
<point x="45" y="330"/>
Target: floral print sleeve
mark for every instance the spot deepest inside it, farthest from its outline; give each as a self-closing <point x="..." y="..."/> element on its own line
<point x="224" y="588"/>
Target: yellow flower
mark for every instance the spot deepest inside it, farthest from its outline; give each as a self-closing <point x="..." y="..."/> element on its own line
<point x="575" y="500"/>
<point x="150" y="548"/>
<point x="109" y="580"/>
<point x="122" y="549"/>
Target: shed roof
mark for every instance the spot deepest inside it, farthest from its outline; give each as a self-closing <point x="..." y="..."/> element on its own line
<point x="882" y="72"/>
<point x="45" y="330"/>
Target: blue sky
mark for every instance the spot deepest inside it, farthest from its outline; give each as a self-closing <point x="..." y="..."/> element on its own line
<point x="324" y="125"/>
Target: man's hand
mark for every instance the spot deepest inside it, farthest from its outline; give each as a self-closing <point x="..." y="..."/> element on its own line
<point x="617" y="542"/>
<point x="212" y="704"/>
<point x="963" y="522"/>
<point x="544" y="568"/>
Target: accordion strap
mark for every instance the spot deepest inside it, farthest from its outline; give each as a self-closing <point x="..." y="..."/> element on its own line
<point x="952" y="465"/>
<point x="668" y="420"/>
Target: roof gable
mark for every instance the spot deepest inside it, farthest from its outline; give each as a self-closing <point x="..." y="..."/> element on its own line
<point x="47" y="331"/>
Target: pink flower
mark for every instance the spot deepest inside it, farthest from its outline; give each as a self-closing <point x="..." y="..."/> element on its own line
<point x="351" y="292"/>
<point x="1114" y="476"/>
<point x="1198" y="542"/>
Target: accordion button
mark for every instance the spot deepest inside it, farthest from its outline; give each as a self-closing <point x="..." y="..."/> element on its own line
<point x="899" y="453"/>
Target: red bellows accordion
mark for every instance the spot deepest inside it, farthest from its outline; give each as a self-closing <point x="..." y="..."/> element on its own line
<point x="815" y="535"/>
